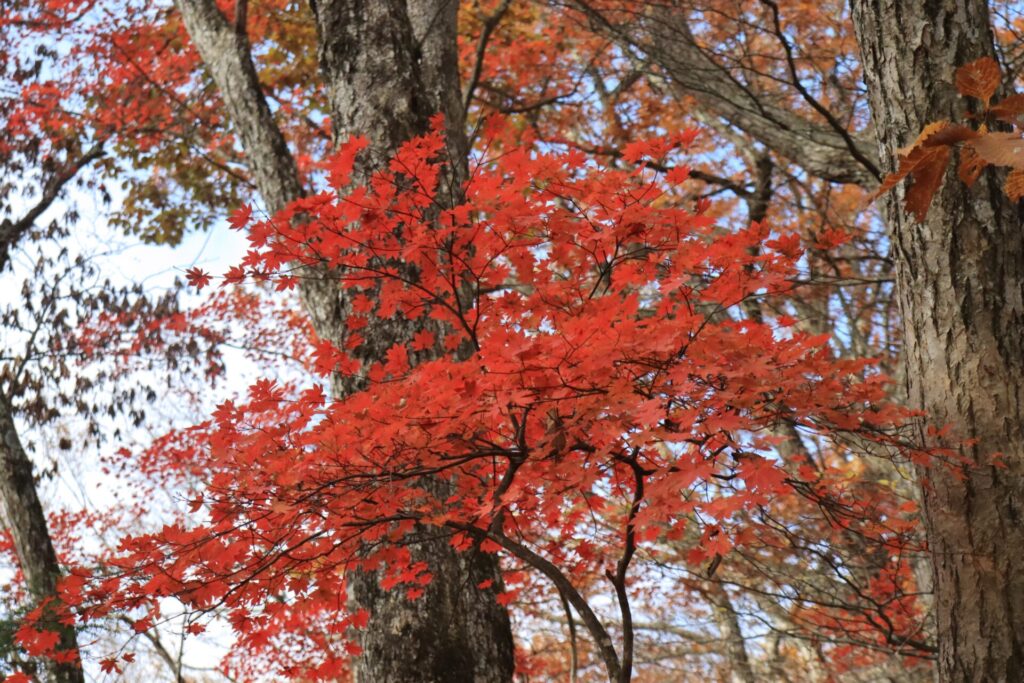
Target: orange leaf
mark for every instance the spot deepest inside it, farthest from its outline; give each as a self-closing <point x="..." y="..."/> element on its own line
<point x="928" y="174"/>
<point x="931" y="148"/>
<point x="927" y="165"/>
<point x="927" y="132"/>
<point x="1001" y="149"/>
<point x="979" y="79"/>
<point x="971" y="165"/>
<point x="950" y="135"/>
<point x="1014" y="186"/>
<point x="1009" y="108"/>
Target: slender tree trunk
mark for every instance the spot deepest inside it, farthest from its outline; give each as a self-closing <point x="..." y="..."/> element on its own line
<point x="960" y="281"/>
<point x="735" y="647"/>
<point x="24" y="513"/>
<point x="388" y="66"/>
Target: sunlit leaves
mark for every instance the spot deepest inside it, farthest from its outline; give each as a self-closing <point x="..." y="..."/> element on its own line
<point x="599" y="351"/>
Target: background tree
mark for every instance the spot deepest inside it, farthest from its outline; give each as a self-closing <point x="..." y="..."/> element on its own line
<point x="583" y="427"/>
<point x="55" y="152"/>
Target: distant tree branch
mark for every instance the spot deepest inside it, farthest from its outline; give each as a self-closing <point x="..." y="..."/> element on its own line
<point x="12" y="231"/>
<point x="490" y="24"/>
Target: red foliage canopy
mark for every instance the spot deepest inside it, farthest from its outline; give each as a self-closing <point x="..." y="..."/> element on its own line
<point x="580" y="394"/>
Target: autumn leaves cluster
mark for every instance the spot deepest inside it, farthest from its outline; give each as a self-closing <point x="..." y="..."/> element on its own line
<point x="578" y="394"/>
<point x="982" y="140"/>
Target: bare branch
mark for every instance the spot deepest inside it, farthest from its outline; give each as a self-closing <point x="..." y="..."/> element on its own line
<point x="11" y="231"/>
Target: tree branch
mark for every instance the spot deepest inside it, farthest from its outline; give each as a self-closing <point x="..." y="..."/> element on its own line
<point x="601" y="637"/>
<point x="663" y="39"/>
<point x="490" y="23"/>
<point x="838" y="127"/>
<point x="12" y="231"/>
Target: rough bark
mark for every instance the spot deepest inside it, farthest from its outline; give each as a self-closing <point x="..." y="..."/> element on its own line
<point x="960" y="283"/>
<point x="388" y="66"/>
<point x="24" y="516"/>
<point x="225" y="52"/>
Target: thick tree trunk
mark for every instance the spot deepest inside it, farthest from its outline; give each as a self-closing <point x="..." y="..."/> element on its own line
<point x="24" y="513"/>
<point x="960" y="280"/>
<point x="388" y="66"/>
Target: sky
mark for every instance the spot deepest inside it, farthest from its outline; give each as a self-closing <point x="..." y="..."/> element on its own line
<point x="80" y="482"/>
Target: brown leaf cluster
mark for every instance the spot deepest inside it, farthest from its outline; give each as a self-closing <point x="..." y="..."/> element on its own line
<point x="925" y="161"/>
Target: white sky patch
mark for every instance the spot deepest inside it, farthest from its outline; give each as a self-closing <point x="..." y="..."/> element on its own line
<point x="80" y="482"/>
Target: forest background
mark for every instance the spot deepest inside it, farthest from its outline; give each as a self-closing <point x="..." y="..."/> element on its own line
<point x="594" y="340"/>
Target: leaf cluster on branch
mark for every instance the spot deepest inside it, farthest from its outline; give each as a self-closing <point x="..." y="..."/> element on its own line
<point x="583" y="380"/>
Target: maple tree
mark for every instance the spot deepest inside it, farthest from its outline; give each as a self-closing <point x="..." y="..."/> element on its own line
<point x="647" y="64"/>
<point x="561" y="354"/>
<point x="782" y="79"/>
<point x="578" y="401"/>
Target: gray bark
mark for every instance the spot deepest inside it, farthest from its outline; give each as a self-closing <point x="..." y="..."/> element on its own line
<point x="388" y="66"/>
<point x="226" y="54"/>
<point x="735" y="648"/>
<point x="960" y="283"/>
<point x="24" y="515"/>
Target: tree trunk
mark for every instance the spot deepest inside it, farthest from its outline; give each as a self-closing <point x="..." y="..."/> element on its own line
<point x="24" y="513"/>
<point x="388" y="66"/>
<point x="960" y="282"/>
<point x="734" y="645"/>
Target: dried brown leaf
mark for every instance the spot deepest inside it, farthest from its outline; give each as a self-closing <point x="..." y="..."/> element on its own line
<point x="1000" y="149"/>
<point x="979" y="79"/>
<point x="1009" y="109"/>
<point x="927" y="165"/>
<point x="971" y="165"/>
<point x="950" y="135"/>
<point x="1014" y="186"/>
<point x="928" y="173"/>
<point x="928" y="131"/>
